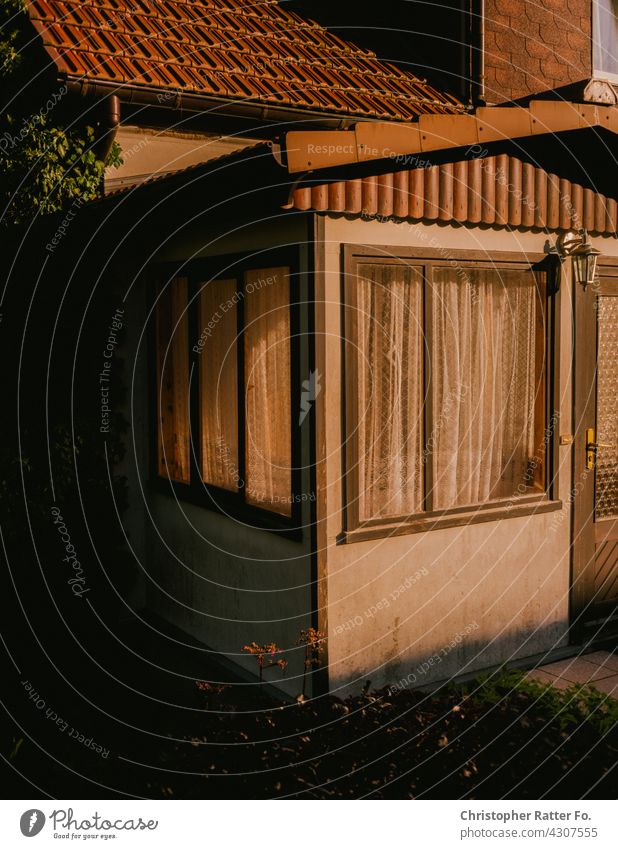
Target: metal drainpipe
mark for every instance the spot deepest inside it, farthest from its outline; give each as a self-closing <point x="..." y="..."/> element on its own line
<point x="481" y="48"/>
<point x="110" y="124"/>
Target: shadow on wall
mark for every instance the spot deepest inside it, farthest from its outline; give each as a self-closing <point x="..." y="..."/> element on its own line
<point x="462" y="656"/>
<point x="228" y="585"/>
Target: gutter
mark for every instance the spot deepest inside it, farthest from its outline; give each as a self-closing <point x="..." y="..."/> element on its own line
<point x="201" y="104"/>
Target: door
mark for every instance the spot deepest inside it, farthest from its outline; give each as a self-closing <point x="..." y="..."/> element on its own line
<point x="594" y="601"/>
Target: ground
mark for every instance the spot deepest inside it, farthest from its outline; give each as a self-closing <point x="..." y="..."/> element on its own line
<point x="503" y="737"/>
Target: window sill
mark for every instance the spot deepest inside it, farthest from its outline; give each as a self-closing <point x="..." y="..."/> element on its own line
<point x="438" y="521"/>
<point x="604" y="77"/>
<point x="224" y="503"/>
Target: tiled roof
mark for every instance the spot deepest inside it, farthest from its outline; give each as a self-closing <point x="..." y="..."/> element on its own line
<point x="229" y="49"/>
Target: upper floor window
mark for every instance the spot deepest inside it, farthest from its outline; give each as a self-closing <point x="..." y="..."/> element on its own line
<point x="605" y="37"/>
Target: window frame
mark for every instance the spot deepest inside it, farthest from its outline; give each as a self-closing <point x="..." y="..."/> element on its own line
<point x="355" y="529"/>
<point x="197" y="492"/>
<point x="598" y="19"/>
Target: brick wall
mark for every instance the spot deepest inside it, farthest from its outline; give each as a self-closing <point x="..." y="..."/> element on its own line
<point x="532" y="46"/>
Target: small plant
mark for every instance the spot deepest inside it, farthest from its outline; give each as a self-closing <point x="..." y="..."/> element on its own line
<point x="16" y="747"/>
<point x="208" y="688"/>
<point x="210" y="692"/>
<point x="266" y="656"/>
<point x="314" y="642"/>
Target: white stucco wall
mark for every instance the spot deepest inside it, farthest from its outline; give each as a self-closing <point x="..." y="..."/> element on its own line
<point x="486" y="593"/>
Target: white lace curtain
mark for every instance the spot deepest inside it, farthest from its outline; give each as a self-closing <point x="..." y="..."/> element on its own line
<point x="483" y="384"/>
<point x="268" y="389"/>
<point x="388" y="317"/>
<point x="265" y="295"/>
<point x="219" y="383"/>
<point x="172" y="329"/>
<point x="480" y="440"/>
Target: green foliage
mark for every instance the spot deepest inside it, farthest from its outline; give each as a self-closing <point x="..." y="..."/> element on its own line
<point x="28" y="473"/>
<point x="10" y="11"/>
<point x="48" y="156"/>
<point x="26" y="482"/>
<point x="581" y="703"/>
<point x="17" y="746"/>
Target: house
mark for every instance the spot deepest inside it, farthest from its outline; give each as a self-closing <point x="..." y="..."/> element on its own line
<point x="371" y="374"/>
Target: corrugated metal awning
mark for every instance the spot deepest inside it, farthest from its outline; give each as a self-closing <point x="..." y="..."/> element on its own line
<point x="494" y="190"/>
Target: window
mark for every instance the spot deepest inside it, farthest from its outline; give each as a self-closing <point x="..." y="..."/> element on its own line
<point x="389" y="349"/>
<point x="218" y="370"/>
<point x="173" y="381"/>
<point x="605" y="37"/>
<point x="445" y="387"/>
<point x="267" y="389"/>
<point x="224" y="363"/>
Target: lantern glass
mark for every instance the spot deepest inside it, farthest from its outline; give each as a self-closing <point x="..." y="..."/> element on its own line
<point x="592" y="266"/>
<point x="580" y="268"/>
<point x="585" y="263"/>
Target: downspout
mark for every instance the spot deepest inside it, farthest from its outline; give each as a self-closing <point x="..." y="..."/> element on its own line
<point x="109" y="127"/>
<point x="479" y="82"/>
<point x="465" y="70"/>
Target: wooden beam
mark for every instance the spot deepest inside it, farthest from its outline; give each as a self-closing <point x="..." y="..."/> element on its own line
<point x="372" y="141"/>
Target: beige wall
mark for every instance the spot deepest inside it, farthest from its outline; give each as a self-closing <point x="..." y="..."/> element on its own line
<point x="149" y="152"/>
<point x="482" y="594"/>
<point x="475" y="596"/>
<point x="218" y="580"/>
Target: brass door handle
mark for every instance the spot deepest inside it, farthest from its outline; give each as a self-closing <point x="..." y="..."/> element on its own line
<point x="592" y="446"/>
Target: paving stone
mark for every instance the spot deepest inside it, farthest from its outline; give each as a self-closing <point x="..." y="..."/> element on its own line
<point x="602" y="658"/>
<point x="540" y="676"/>
<point x="577" y="670"/>
<point x="608" y="685"/>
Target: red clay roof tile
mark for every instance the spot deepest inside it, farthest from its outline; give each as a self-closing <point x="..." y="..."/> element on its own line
<point x="237" y="49"/>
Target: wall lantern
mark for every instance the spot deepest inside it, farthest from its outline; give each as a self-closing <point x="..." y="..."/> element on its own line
<point x="583" y="254"/>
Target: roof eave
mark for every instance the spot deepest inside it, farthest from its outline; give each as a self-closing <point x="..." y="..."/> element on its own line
<point x="371" y="142"/>
<point x="199" y="104"/>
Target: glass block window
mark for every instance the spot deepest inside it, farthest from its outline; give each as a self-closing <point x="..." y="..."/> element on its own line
<point x="606" y="474"/>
